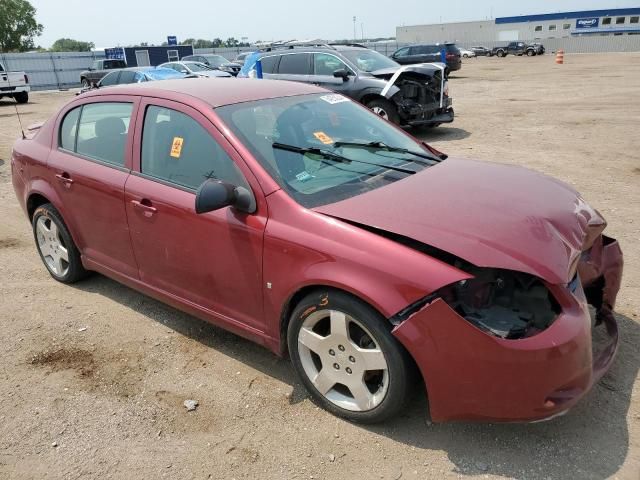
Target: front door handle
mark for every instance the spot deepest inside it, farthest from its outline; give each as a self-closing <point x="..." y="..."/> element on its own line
<point x="145" y="206"/>
<point x="65" y="179"/>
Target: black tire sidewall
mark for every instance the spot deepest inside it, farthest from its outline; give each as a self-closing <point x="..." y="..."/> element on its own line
<point x="21" y="97"/>
<point x="388" y="107"/>
<point x="76" y="270"/>
<point x="399" y="364"/>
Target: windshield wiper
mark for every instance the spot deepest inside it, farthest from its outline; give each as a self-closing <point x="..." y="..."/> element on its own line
<point x="335" y="157"/>
<point x="384" y="146"/>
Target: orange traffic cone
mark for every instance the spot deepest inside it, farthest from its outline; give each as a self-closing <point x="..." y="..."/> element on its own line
<point x="560" y="57"/>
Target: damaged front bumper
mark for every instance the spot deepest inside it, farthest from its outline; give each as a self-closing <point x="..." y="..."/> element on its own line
<point x="470" y="375"/>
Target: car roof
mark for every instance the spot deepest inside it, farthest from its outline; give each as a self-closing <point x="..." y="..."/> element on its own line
<point x="215" y="92"/>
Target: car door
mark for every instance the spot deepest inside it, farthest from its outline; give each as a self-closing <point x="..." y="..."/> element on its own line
<point x="211" y="261"/>
<point x="89" y="166"/>
<point x="324" y="66"/>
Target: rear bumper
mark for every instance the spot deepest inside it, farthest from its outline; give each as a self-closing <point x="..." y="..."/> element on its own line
<point x="16" y="89"/>
<point x="470" y="375"/>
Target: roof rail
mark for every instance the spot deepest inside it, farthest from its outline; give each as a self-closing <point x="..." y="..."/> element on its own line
<point x="293" y="44"/>
<point x="347" y="44"/>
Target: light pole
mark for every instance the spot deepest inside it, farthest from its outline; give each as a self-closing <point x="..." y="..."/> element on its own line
<point x="354" y="28"/>
<point x="362" y="30"/>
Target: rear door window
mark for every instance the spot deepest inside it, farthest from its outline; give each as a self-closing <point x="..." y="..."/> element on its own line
<point x="102" y="131"/>
<point x="177" y="149"/>
<point x="403" y="52"/>
<point x="295" y="64"/>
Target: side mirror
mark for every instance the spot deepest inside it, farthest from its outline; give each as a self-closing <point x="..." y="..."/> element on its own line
<point x="215" y="194"/>
<point x="184" y="70"/>
<point x="342" y="73"/>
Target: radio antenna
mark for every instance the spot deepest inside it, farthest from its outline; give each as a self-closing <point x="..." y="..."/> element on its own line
<point x="16" y="107"/>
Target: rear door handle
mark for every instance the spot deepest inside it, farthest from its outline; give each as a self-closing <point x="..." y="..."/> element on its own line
<point x="65" y="179"/>
<point x="145" y="206"/>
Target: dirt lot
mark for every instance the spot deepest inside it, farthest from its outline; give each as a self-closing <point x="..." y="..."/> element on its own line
<point x="93" y="376"/>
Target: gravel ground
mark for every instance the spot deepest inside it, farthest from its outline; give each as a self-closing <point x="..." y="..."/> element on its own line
<point x="93" y="376"/>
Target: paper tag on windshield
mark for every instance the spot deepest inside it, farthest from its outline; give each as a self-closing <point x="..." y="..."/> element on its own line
<point x="323" y="137"/>
<point x="334" y="98"/>
<point x="304" y="176"/>
<point x="176" y="147"/>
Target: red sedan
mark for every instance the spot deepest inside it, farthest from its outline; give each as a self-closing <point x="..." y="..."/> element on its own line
<point x="299" y="219"/>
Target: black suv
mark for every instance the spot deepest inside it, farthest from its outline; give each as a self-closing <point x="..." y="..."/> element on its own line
<point x="429" y="53"/>
<point x="417" y="96"/>
<point x="516" y="48"/>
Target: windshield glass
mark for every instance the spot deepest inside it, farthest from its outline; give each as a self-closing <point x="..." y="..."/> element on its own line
<point x="322" y="121"/>
<point x="197" y="67"/>
<point x="216" y="60"/>
<point x="369" y="60"/>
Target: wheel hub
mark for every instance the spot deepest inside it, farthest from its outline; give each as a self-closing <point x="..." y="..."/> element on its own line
<point x="54" y="253"/>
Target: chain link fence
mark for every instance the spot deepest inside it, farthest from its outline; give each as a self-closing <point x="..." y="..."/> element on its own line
<point x="61" y="70"/>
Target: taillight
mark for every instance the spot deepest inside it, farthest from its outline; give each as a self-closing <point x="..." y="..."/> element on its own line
<point x="26" y="79"/>
<point x="451" y="55"/>
<point x="446" y="88"/>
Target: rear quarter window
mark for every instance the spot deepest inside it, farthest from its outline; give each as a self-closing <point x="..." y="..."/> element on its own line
<point x="269" y="64"/>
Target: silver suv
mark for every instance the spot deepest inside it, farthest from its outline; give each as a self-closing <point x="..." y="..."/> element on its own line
<point x="413" y="95"/>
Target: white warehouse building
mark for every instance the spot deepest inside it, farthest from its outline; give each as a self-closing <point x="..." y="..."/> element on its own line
<point x="611" y="22"/>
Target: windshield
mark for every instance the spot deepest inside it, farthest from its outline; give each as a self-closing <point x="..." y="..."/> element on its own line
<point x="197" y="67"/>
<point x="329" y="172"/>
<point x="216" y="60"/>
<point x="369" y="60"/>
<point x="160" y="73"/>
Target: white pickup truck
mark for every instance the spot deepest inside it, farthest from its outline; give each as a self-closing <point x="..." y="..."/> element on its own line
<point x="14" y="84"/>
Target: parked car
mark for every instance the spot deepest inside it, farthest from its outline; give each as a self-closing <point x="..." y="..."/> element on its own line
<point x="241" y="58"/>
<point x="539" y="48"/>
<point x="294" y="217"/>
<point x="429" y="53"/>
<point x="515" y="48"/>
<point x="138" y="75"/>
<point x="196" y="69"/>
<point x="99" y="69"/>
<point x="419" y="96"/>
<point x="467" y="53"/>
<point x="14" y="85"/>
<point x="217" y="62"/>
<point x="482" y="51"/>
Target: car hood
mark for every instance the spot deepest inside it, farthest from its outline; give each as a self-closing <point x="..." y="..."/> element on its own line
<point x="422" y="68"/>
<point x="488" y="214"/>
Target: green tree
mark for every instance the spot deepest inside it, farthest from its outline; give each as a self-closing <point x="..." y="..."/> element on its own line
<point x="217" y="42"/>
<point x="231" y="42"/>
<point x="70" y="45"/>
<point x="18" y="26"/>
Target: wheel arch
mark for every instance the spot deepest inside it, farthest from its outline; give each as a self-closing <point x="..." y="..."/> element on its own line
<point x="40" y="193"/>
<point x="294" y="299"/>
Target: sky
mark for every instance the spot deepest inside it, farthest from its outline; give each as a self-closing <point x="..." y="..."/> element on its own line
<point x="129" y="22"/>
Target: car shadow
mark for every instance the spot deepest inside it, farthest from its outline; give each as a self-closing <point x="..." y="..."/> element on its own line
<point x="591" y="441"/>
<point x="440" y="134"/>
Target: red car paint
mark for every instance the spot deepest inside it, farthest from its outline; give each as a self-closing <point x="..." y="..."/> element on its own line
<point x="240" y="271"/>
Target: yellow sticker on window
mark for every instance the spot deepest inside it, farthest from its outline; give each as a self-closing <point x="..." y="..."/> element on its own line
<point x="176" y="147"/>
<point x="323" y="137"/>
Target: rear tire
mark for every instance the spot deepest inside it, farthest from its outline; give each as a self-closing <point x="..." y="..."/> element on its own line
<point x="347" y="358"/>
<point x="500" y="53"/>
<point x="385" y="109"/>
<point x="85" y="83"/>
<point x="57" y="250"/>
<point x="21" y="97"/>
<point x="530" y="53"/>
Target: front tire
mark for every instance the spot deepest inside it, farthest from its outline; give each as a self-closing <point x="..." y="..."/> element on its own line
<point x="85" y="84"/>
<point x="347" y="358"/>
<point x="500" y="54"/>
<point x="55" y="245"/>
<point x="385" y="109"/>
<point x="530" y="53"/>
<point x="21" y="97"/>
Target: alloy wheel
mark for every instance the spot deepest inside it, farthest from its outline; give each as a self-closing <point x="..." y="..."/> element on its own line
<point x="381" y="111"/>
<point x="51" y="246"/>
<point x="343" y="361"/>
